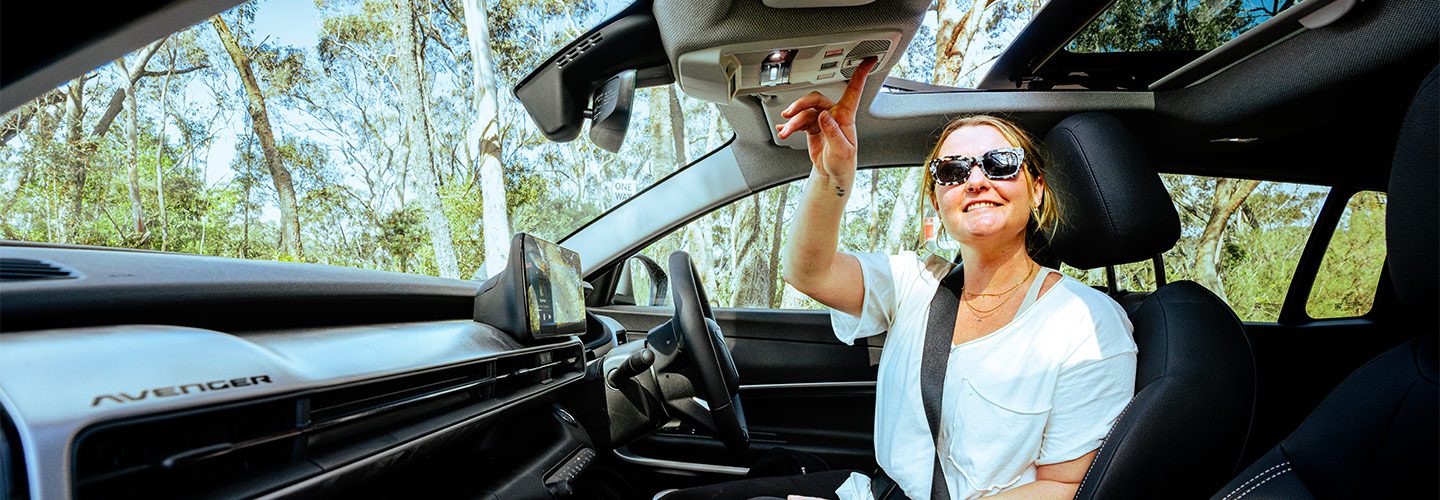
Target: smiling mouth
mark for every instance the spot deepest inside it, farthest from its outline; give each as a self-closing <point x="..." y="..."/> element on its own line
<point x="980" y="205"/>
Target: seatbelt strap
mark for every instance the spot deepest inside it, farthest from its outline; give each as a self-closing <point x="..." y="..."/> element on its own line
<point x="939" y="329"/>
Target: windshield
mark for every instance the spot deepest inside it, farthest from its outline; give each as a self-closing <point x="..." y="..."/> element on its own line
<point x="371" y="134"/>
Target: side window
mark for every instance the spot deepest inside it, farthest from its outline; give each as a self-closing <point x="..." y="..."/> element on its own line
<point x="1240" y="238"/>
<point x="736" y="248"/>
<point x="1350" y="271"/>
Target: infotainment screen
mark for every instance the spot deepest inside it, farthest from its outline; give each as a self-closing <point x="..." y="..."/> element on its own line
<point x="556" y="297"/>
<point x="538" y="295"/>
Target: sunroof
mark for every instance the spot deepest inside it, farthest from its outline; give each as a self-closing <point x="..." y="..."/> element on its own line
<point x="1173" y="25"/>
<point x="954" y="48"/>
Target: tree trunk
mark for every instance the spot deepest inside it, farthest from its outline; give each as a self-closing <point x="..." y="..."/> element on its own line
<point x="16" y="121"/>
<point x="137" y="209"/>
<point x="750" y="273"/>
<point x="75" y="116"/>
<point x="43" y="126"/>
<point x="873" y="234"/>
<point x="776" y="227"/>
<point x="260" y="120"/>
<point x="159" y="163"/>
<point x="1229" y="194"/>
<point x="897" y="232"/>
<point x="677" y="126"/>
<point x="117" y="100"/>
<point x="959" y="22"/>
<point x="484" y="133"/>
<point x="245" y="228"/>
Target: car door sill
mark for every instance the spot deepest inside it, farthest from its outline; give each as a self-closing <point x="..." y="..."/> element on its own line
<point x="807" y="385"/>
<point x="628" y="456"/>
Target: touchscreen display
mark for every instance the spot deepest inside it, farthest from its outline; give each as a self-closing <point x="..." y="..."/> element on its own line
<point x="553" y="288"/>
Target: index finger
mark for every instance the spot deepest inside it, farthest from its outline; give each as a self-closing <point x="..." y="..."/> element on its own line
<point x="850" y="100"/>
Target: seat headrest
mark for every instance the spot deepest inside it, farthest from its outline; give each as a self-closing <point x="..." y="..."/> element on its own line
<point x="1411" y="234"/>
<point x="1114" y="209"/>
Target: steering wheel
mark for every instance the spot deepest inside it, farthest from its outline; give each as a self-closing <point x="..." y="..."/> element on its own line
<point x="697" y="338"/>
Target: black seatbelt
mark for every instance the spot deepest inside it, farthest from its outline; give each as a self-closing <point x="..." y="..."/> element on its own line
<point x="939" y="329"/>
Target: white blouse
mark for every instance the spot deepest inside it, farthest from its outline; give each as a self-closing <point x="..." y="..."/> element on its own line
<point x="1043" y="389"/>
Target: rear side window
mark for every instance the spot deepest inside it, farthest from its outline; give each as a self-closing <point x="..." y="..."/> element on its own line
<point x="1242" y="239"/>
<point x="1350" y="271"/>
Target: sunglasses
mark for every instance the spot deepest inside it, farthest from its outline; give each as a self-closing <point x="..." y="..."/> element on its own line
<point x="997" y="164"/>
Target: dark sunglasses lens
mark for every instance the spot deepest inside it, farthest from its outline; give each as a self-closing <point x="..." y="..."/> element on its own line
<point x="1001" y="164"/>
<point x="952" y="171"/>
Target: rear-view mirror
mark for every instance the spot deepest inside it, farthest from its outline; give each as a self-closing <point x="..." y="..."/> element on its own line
<point x="610" y="111"/>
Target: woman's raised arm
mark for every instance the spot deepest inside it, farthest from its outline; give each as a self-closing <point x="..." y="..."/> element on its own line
<point x="811" y="261"/>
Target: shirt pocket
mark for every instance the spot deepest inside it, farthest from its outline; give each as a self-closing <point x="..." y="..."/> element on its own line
<point x="992" y="439"/>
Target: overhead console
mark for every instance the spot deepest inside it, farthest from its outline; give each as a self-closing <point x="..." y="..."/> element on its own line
<point x="719" y="74"/>
<point x="780" y="71"/>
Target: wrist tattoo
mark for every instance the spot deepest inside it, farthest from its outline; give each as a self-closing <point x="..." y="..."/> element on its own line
<point x="839" y="191"/>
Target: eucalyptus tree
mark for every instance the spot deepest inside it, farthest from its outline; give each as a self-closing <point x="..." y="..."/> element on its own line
<point x="410" y="66"/>
<point x="290" y="242"/>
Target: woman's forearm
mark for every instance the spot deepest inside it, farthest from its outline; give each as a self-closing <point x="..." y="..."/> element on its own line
<point x="814" y="235"/>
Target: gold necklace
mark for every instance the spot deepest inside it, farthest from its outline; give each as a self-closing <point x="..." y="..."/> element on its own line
<point x="980" y="314"/>
<point x="1008" y="290"/>
<point x="979" y="311"/>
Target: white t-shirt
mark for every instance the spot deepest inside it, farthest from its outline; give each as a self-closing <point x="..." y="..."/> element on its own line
<point x="1043" y="389"/>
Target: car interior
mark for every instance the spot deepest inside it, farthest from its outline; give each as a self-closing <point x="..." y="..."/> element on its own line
<point x="127" y="373"/>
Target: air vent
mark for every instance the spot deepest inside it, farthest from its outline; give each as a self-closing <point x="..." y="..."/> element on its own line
<point x="230" y="450"/>
<point x="574" y="52"/>
<point x="12" y="269"/>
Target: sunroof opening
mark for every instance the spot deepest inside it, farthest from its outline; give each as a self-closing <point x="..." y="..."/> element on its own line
<point x="1173" y="25"/>
<point x="954" y="48"/>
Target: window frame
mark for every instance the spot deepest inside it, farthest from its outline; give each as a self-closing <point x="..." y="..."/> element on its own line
<point x="1297" y="297"/>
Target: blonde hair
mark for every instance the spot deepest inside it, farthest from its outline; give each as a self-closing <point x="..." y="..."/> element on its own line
<point x="1034" y="167"/>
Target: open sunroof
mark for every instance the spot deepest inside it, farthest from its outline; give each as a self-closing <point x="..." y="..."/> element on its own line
<point x="1147" y="44"/>
<point x="1172" y="26"/>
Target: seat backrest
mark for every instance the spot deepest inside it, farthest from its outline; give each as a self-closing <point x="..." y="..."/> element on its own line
<point x="1183" y="433"/>
<point x="1377" y="435"/>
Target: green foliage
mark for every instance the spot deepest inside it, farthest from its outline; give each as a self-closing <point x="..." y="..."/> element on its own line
<point x="1170" y="25"/>
<point x="1262" y="248"/>
<point x="1350" y="271"/>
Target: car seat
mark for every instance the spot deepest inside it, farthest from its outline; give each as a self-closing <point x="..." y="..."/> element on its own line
<point x="1375" y="435"/>
<point x="1182" y="434"/>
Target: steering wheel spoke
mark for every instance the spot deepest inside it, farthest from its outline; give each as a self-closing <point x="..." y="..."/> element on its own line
<point x="698" y="376"/>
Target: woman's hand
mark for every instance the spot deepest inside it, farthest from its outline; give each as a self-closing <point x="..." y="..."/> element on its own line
<point x="811" y="263"/>
<point x="830" y="126"/>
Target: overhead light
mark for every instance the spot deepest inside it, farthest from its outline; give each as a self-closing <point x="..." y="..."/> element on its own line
<point x="1235" y="140"/>
<point x="775" y="69"/>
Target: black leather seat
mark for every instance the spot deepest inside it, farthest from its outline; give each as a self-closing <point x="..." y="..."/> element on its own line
<point x="1183" y="433"/>
<point x="1375" y="435"/>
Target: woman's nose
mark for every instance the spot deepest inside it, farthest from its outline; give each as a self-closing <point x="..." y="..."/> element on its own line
<point x="976" y="181"/>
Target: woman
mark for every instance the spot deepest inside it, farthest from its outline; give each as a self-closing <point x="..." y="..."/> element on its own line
<point x="1040" y="365"/>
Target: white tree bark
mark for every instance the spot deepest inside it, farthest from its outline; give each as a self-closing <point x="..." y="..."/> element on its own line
<point x="412" y="86"/>
<point x="484" y="134"/>
<point x="159" y="160"/>
<point x="897" y="232"/>
<point x="137" y="211"/>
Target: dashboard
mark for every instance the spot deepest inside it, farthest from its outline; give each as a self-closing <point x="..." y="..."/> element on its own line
<point x="127" y="373"/>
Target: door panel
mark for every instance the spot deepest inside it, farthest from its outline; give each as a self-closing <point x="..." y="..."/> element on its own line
<point x="771" y="346"/>
<point x="802" y="389"/>
<point x="1296" y="366"/>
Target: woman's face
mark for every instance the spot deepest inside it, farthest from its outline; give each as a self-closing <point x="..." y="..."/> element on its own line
<point x="982" y="209"/>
